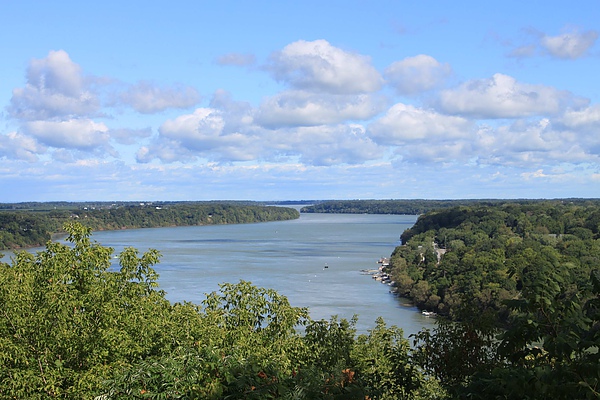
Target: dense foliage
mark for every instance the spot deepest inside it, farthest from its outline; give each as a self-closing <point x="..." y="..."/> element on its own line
<point x="72" y="326"/>
<point x="33" y="228"/>
<point x="484" y="255"/>
<point x="413" y="207"/>
<point x="23" y="230"/>
<point x="521" y="279"/>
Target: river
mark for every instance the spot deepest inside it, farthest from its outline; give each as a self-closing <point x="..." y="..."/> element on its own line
<point x="288" y="256"/>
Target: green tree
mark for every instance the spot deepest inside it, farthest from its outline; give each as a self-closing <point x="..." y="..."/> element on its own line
<point x="67" y="318"/>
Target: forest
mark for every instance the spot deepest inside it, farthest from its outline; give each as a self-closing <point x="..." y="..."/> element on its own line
<point x="409" y="207"/>
<point x="486" y="255"/>
<point x="516" y="287"/>
<point x="414" y="206"/>
<point x="517" y="290"/>
<point x="32" y="224"/>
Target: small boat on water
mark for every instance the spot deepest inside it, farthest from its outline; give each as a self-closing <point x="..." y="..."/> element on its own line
<point x="428" y="313"/>
<point x="326" y="266"/>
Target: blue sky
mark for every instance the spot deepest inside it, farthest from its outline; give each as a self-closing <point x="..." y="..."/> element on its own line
<point x="281" y="100"/>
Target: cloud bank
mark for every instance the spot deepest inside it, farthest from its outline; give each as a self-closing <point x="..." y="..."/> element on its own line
<point x="334" y="111"/>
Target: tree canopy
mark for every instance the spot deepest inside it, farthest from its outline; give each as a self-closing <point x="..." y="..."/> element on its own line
<point x="522" y="283"/>
<point x="484" y="255"/>
<point x="417" y="206"/>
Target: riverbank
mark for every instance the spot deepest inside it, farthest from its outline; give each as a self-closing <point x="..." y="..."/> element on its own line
<point x="26" y="229"/>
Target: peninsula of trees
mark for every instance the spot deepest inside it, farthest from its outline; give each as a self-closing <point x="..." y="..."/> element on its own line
<point x="32" y="224"/>
<point x="521" y="281"/>
<point x="485" y="255"/>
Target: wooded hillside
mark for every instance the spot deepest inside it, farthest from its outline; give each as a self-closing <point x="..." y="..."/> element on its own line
<point x="417" y="206"/>
<point x="34" y="226"/>
<point x="484" y="255"/>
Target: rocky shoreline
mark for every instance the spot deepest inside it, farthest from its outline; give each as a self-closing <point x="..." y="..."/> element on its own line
<point x="380" y="275"/>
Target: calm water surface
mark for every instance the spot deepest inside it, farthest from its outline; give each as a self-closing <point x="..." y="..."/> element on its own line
<point x="288" y="256"/>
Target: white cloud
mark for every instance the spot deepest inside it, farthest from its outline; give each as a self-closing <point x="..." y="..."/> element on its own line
<point x="148" y="98"/>
<point x="449" y="153"/>
<point x="81" y="134"/>
<point x="423" y="136"/>
<point x="524" y="138"/>
<point x="533" y="143"/>
<point x="55" y="88"/>
<point x="237" y="115"/>
<point x="311" y="132"/>
<point x="319" y="66"/>
<point x="301" y="108"/>
<point x="583" y="128"/>
<point x="200" y="134"/>
<point x="405" y="123"/>
<point x="166" y="151"/>
<point x="327" y="145"/>
<point x="55" y="107"/>
<point x="56" y="73"/>
<point x="18" y="146"/>
<point x="204" y="124"/>
<point x="569" y="45"/>
<point x="417" y="74"/>
<point x="501" y="96"/>
<point x="587" y="119"/>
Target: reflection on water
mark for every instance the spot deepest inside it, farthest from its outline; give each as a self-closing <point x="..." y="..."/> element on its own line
<point x="288" y="256"/>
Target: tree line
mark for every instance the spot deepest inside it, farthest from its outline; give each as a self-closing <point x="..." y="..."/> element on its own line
<point x="415" y="206"/>
<point x="23" y="228"/>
